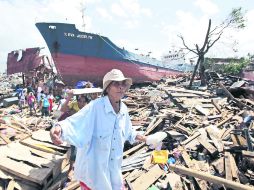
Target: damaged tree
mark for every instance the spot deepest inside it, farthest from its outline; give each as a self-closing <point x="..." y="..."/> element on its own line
<point x="235" y="20"/>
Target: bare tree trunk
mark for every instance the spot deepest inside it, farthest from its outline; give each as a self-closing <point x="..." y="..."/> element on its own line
<point x="194" y="72"/>
<point x="202" y="71"/>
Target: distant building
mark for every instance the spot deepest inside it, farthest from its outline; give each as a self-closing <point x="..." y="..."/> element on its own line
<point x="216" y="64"/>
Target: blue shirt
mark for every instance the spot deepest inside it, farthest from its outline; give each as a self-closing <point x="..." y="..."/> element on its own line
<point x="99" y="135"/>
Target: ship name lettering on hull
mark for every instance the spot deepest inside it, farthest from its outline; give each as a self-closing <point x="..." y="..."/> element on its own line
<point x="84" y="36"/>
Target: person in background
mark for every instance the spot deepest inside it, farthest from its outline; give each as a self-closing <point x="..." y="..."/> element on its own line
<point x="44" y="105"/>
<point x="31" y="102"/>
<point x="99" y="131"/>
<point x="39" y="92"/>
<point x="22" y="98"/>
<point x="51" y="100"/>
<point x="29" y="88"/>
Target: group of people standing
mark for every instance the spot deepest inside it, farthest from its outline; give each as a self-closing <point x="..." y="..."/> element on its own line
<point x="44" y="101"/>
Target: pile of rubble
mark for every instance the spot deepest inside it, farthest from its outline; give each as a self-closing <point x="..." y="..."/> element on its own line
<point x="209" y="143"/>
<point x="209" y="139"/>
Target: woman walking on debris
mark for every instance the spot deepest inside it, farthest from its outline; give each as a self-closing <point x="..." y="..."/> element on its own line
<point x="99" y="131"/>
<point x="31" y="102"/>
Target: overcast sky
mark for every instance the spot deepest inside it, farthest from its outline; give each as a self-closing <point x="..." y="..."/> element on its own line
<point x="147" y="25"/>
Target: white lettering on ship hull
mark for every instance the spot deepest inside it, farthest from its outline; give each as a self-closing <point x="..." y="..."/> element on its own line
<point x="84" y="36"/>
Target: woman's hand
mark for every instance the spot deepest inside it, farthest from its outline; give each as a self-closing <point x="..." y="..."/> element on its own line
<point x="70" y="94"/>
<point x="55" y="134"/>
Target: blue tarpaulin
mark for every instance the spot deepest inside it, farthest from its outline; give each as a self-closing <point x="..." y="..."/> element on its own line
<point x="80" y="84"/>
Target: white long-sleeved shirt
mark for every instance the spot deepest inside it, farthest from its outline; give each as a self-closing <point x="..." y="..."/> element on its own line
<point x="99" y="135"/>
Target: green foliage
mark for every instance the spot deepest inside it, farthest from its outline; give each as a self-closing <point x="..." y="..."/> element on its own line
<point x="208" y="63"/>
<point x="235" y="68"/>
<point x="236" y="18"/>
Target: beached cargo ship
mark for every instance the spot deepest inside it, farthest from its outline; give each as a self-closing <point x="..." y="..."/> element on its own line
<point x="86" y="56"/>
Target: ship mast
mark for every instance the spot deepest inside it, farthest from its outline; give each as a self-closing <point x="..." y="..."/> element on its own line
<point x="83" y="8"/>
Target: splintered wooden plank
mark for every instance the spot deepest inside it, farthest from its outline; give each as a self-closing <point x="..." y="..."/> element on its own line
<point x="135" y="174"/>
<point x="42" y="135"/>
<point x="183" y="129"/>
<point x="6" y="140"/>
<point x="216" y="106"/>
<point x="248" y="153"/>
<point x="44" y="146"/>
<point x="191" y="138"/>
<point x="208" y="177"/>
<point x="187" y="91"/>
<point x="73" y="185"/>
<point x="228" y="166"/>
<point x="147" y="179"/>
<point x="192" y="164"/>
<point x="211" y="149"/>
<point x="153" y="126"/>
<point x="195" y="100"/>
<point x="234" y="168"/>
<point x="190" y="105"/>
<point x="238" y="140"/>
<point x="35" y="158"/>
<point x="22" y="153"/>
<point x="133" y="149"/>
<point x="202" y="110"/>
<point x="219" y="166"/>
<point x="11" y="185"/>
<point x="25" y="171"/>
<point x="183" y="95"/>
<point x="175" y="181"/>
<point x="229" y="117"/>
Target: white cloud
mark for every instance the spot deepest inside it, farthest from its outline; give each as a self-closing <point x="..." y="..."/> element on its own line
<point x="118" y="10"/>
<point x="245" y="36"/>
<point x="104" y="13"/>
<point x="232" y="43"/>
<point x="133" y="8"/>
<point x="207" y="6"/>
<point x="131" y="24"/>
<point x="191" y="28"/>
<point x="18" y="18"/>
<point x="131" y="11"/>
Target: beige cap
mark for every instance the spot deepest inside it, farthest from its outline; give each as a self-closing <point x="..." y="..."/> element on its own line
<point x="115" y="75"/>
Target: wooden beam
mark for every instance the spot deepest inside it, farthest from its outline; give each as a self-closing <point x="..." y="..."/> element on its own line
<point x="133" y="149"/>
<point x="248" y="153"/>
<point x="73" y="185"/>
<point x="11" y="185"/>
<point x="152" y="127"/>
<point x="228" y="166"/>
<point x="230" y="116"/>
<point x="211" y="149"/>
<point x="208" y="177"/>
<point x="142" y="183"/>
<point x="5" y="139"/>
<point x="234" y="169"/>
<point x="216" y="106"/>
<point x="239" y="103"/>
<point x="197" y="134"/>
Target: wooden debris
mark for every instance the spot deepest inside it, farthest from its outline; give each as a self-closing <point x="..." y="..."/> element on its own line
<point x="153" y="174"/>
<point x="208" y="177"/>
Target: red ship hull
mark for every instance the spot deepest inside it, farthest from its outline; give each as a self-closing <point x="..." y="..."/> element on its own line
<point x="74" y="68"/>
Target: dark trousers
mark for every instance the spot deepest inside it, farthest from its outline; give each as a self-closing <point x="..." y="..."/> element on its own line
<point x="45" y="111"/>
